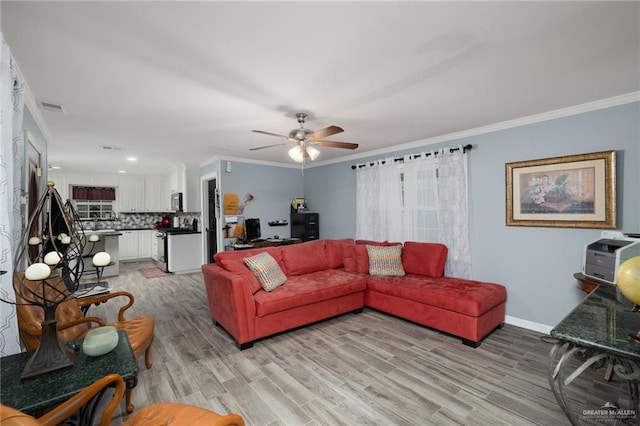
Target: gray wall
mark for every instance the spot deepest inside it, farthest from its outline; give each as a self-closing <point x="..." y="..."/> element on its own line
<point x="535" y="264"/>
<point x="273" y="188"/>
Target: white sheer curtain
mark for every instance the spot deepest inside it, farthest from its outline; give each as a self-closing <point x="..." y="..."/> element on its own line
<point x="379" y="202"/>
<point x="11" y="156"/>
<point x="424" y="199"/>
<point x="453" y="211"/>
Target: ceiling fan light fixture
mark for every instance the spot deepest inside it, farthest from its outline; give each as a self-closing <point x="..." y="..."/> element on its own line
<point x="312" y="152"/>
<point x="297" y="154"/>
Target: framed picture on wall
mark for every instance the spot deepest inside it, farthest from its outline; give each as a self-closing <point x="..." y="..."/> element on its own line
<point x="575" y="191"/>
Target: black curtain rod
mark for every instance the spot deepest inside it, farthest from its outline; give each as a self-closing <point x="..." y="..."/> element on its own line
<point x="401" y="159"/>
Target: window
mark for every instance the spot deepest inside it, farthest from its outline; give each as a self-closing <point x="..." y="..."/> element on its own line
<point x="93" y="202"/>
<point x="91" y="210"/>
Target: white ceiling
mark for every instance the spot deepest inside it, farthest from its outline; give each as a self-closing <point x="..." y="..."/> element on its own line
<point x="186" y="81"/>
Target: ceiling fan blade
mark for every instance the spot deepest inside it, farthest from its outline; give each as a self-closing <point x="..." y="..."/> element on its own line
<point x="335" y="144"/>
<point x="270" y="134"/>
<point x="327" y="131"/>
<point x="268" y="146"/>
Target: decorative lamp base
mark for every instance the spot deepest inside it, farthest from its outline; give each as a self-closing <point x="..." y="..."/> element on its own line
<point x="49" y="356"/>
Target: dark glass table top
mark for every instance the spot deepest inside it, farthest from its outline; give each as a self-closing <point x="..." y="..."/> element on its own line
<point x="51" y="389"/>
<point x="602" y="321"/>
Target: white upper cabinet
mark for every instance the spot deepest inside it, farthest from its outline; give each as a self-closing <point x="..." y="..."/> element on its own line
<point x="177" y="178"/>
<point x="131" y="194"/>
<point x="157" y="197"/>
<point x="134" y="193"/>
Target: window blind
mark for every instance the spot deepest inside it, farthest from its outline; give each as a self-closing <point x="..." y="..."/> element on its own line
<point x="94" y="193"/>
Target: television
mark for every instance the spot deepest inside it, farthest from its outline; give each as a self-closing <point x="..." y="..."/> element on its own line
<point x="252" y="229"/>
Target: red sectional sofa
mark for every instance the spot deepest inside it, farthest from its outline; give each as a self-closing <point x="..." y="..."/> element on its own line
<point x="326" y="278"/>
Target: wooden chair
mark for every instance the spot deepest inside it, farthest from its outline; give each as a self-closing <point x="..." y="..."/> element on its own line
<point x="72" y="325"/>
<point x="157" y="414"/>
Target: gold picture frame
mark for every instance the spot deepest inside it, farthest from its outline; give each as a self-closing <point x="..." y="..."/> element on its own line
<point x="574" y="191"/>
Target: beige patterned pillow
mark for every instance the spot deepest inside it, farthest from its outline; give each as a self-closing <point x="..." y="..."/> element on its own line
<point x="266" y="270"/>
<point x="385" y="260"/>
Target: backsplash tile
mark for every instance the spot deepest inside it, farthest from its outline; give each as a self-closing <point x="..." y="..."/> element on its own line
<point x="142" y="220"/>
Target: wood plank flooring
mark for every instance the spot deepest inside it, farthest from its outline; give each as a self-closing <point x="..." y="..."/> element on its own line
<point x="364" y="369"/>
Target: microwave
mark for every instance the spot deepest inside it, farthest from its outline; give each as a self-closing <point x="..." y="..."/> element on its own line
<point x="176" y="201"/>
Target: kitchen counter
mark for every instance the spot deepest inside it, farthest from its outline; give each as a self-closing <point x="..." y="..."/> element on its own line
<point x="179" y="231"/>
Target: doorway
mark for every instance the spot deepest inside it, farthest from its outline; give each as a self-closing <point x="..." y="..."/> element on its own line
<point x="31" y="185"/>
<point x="212" y="225"/>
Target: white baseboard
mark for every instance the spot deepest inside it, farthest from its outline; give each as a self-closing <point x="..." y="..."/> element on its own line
<point x="529" y="325"/>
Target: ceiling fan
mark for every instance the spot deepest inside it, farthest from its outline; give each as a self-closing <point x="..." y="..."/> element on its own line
<point x="305" y="139"/>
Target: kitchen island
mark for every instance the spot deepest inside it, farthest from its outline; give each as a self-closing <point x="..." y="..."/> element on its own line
<point x="109" y="242"/>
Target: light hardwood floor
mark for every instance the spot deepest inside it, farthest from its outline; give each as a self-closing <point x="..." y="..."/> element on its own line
<point x="364" y="369"/>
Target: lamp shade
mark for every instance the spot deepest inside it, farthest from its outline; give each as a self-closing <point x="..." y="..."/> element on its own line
<point x="296" y="153"/>
<point x="37" y="271"/>
<point x="52" y="258"/>
<point x="312" y="152"/>
<point x="101" y="259"/>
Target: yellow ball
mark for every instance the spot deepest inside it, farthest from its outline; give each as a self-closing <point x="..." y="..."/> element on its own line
<point x="628" y="279"/>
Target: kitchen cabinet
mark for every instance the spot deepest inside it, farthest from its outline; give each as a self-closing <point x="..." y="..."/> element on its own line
<point x="128" y="248"/>
<point x="135" y="193"/>
<point x="177" y="178"/>
<point x="136" y="245"/>
<point x="131" y="194"/>
<point x="144" y="244"/>
<point x="157" y="195"/>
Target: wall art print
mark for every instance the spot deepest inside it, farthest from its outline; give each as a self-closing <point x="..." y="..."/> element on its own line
<point x="575" y="191"/>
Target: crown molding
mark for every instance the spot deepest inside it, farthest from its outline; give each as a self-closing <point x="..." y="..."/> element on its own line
<point x="217" y="158"/>
<point x="518" y="122"/>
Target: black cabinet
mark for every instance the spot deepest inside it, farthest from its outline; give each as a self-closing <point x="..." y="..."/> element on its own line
<point x="305" y="226"/>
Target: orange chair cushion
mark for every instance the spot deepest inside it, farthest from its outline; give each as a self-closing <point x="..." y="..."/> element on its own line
<point x="12" y="417"/>
<point x="175" y="414"/>
<point x="140" y="332"/>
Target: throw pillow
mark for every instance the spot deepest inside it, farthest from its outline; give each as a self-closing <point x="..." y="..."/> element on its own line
<point x="266" y="270"/>
<point x="385" y="260"/>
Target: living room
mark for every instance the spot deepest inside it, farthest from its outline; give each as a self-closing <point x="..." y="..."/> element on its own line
<point x="535" y="264"/>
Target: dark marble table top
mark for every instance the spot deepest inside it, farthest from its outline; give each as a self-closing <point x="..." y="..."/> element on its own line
<point x="50" y="389"/>
<point x="603" y="320"/>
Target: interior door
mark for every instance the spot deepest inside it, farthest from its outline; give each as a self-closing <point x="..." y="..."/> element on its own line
<point x="31" y="185"/>
<point x="211" y="226"/>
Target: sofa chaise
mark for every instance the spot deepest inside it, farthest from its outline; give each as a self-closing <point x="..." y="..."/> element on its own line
<point x="327" y="278"/>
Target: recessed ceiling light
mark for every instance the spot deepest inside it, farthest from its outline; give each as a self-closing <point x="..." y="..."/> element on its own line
<point x="122" y="171"/>
<point x="132" y="159"/>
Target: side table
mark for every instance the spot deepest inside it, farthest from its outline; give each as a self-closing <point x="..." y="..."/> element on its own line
<point x="587" y="284"/>
<point x="594" y="332"/>
<point x="36" y="395"/>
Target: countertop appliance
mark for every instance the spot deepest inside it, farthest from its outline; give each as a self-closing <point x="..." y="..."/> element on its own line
<point x="176" y="201"/>
<point x="603" y="257"/>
